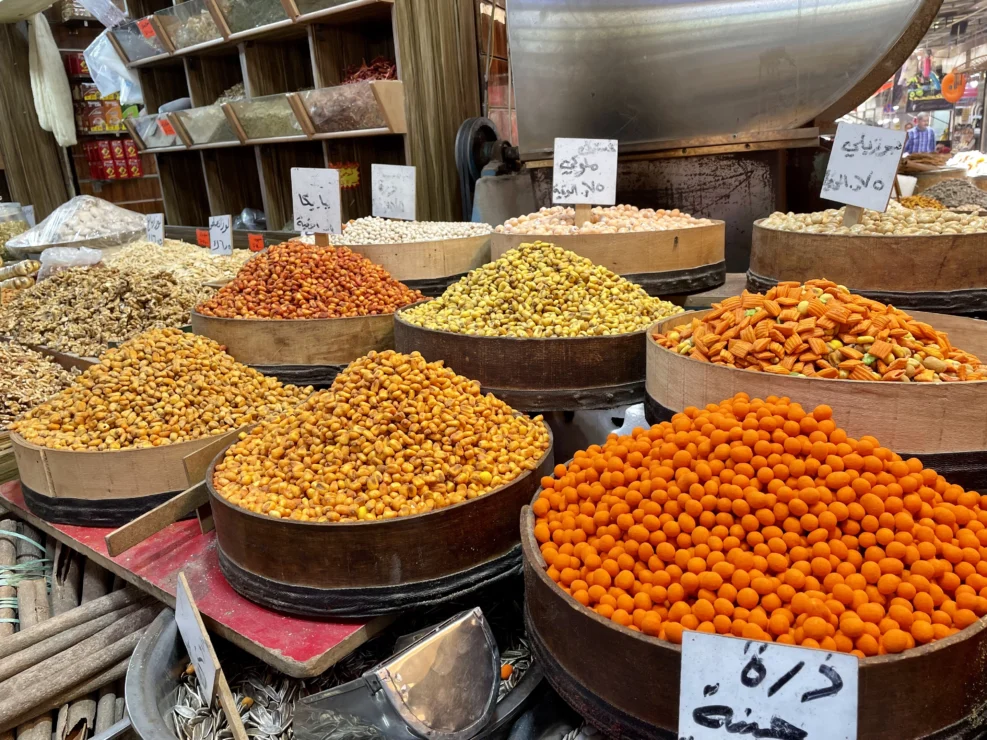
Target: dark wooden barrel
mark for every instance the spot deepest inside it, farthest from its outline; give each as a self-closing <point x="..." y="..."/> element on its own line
<point x="627" y="683"/>
<point x="664" y="263"/>
<point x="944" y="274"/>
<point x="943" y="424"/>
<point x="364" y="569"/>
<point x="567" y="374"/>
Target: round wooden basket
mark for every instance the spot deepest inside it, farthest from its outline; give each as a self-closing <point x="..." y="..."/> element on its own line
<point x="106" y="489"/>
<point x="429" y="267"/>
<point x="628" y="683"/>
<point x="364" y="569"/>
<point x="945" y="274"/>
<point x="927" y="179"/>
<point x="980" y="181"/>
<point x="662" y="262"/>
<point x="299" y="351"/>
<point x="944" y="424"/>
<point x="565" y="373"/>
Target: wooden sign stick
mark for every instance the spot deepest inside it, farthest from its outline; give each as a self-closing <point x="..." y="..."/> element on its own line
<point x="582" y="214"/>
<point x="120" y="540"/>
<point x="852" y="215"/>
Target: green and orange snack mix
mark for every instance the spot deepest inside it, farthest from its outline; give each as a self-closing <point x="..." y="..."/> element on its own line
<point x="758" y="519"/>
<point x="821" y="330"/>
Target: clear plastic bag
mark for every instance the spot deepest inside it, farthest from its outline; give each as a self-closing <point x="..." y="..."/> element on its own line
<point x="105" y="12"/>
<point x="62" y="258"/>
<point x="84" y="221"/>
<point x="110" y="73"/>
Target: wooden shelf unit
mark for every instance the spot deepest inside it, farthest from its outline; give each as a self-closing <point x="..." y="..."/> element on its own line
<point x="314" y="51"/>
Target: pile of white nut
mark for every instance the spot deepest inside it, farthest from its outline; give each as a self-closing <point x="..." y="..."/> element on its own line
<point x="561" y="221"/>
<point x="896" y="221"/>
<point x="387" y="231"/>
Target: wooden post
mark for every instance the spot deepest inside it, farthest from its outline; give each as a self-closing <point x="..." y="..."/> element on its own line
<point x="132" y="130"/>
<point x="322" y="240"/>
<point x="301" y="114"/>
<point x="852" y="215"/>
<point x="218" y="18"/>
<point x="234" y="122"/>
<point x="176" y="123"/>
<point x="290" y="8"/>
<point x="582" y="214"/>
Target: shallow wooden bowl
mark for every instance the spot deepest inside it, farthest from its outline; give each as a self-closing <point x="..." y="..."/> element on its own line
<point x="945" y="274"/>
<point x="944" y="424"/>
<point x="431" y="266"/>
<point x="283" y="342"/>
<point x="565" y="373"/>
<point x="108" y="488"/>
<point x="628" y="683"/>
<point x="662" y="262"/>
<point x="369" y="568"/>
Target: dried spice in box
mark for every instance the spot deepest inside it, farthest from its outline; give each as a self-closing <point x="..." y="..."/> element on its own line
<point x="821" y="330"/>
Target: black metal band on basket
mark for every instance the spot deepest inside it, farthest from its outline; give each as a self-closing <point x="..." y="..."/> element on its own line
<point x="611" y="721"/>
<point x="433" y="287"/>
<point x="971" y="303"/>
<point x="317" y="376"/>
<point x="374" y="601"/>
<point x="967" y="469"/>
<point x="680" y="282"/>
<point x="107" y="512"/>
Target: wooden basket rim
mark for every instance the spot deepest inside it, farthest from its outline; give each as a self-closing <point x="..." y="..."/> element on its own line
<point x="758" y="224"/>
<point x="547" y="238"/>
<point x="206" y="317"/>
<point x="19" y="440"/>
<point x="330" y="526"/>
<point x="868" y="383"/>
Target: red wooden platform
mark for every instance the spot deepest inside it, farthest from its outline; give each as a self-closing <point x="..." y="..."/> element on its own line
<point x="296" y="646"/>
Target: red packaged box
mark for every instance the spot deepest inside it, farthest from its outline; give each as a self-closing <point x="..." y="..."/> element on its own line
<point x="94" y="117"/>
<point x="134" y="167"/>
<point x="109" y="171"/>
<point x="130" y="148"/>
<point x="116" y="146"/>
<point x="122" y="169"/>
<point x="105" y="150"/>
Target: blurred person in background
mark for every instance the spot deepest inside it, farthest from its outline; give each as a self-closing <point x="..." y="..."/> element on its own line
<point x="922" y="138"/>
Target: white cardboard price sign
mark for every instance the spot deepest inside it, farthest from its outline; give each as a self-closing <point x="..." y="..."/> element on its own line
<point x="196" y="639"/>
<point x="315" y="200"/>
<point x="863" y="165"/>
<point x="220" y="235"/>
<point x="393" y="191"/>
<point x="732" y="687"/>
<point x="154" y="224"/>
<point x="585" y="171"/>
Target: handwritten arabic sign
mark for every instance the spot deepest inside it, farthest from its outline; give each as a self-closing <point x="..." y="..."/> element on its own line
<point x="196" y="638"/>
<point x="863" y="165"/>
<point x="220" y="235"/>
<point x="731" y="686"/>
<point x="315" y="199"/>
<point x="585" y="171"/>
<point x="393" y="191"/>
<point x="154" y="223"/>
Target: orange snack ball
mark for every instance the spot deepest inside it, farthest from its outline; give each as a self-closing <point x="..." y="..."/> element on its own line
<point x="764" y="520"/>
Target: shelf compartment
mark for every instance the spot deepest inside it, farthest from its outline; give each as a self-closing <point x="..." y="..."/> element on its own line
<point x="183" y="187"/>
<point x="232" y="181"/>
<point x="210" y="76"/>
<point x="207" y="125"/>
<point x="267" y="117"/>
<point x="243" y="16"/>
<point x="189" y="24"/>
<point x="356" y="107"/>
<point x="154" y="133"/>
<point x="139" y="41"/>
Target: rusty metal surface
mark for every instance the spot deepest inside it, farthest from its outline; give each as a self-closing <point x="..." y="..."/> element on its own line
<point x="643" y="71"/>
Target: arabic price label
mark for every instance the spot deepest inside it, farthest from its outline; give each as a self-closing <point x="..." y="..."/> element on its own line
<point x="863" y="165"/>
<point x="220" y="235"/>
<point x="202" y="237"/>
<point x="154" y="223"/>
<point x="393" y="191"/>
<point x="585" y="172"/>
<point x="146" y="28"/>
<point x="255" y="242"/>
<point x="315" y="200"/>
<point x="196" y="638"/>
<point x="166" y="128"/>
<point x="748" y="688"/>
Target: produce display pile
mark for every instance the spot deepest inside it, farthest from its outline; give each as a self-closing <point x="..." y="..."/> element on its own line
<point x="394" y="436"/>
<point x="27" y="378"/>
<point x="293" y="280"/>
<point x="915" y="202"/>
<point x="380" y="68"/>
<point x="916" y="164"/>
<point x="957" y="192"/>
<point x="162" y="387"/>
<point x="821" y="330"/>
<point x="371" y="230"/>
<point x="82" y="309"/>
<point x="540" y="290"/>
<point x="974" y="162"/>
<point x="82" y="221"/>
<point x="757" y="519"/>
<point x="896" y="221"/>
<point x="561" y="221"/>
<point x="183" y="260"/>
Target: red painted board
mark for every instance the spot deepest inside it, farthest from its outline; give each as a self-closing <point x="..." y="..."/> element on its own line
<point x="296" y="646"/>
